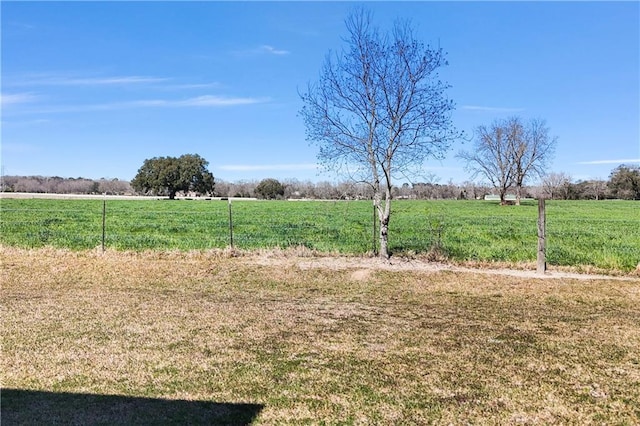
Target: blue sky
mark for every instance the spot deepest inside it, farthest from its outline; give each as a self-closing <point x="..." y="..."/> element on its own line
<point x="92" y="89"/>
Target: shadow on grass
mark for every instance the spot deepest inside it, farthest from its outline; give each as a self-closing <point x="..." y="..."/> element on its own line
<point x="26" y="407"/>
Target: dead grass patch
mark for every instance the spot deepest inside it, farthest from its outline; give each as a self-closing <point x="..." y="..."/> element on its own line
<point x="313" y="339"/>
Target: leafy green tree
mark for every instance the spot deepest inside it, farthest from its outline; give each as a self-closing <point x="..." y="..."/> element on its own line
<point x="269" y="189"/>
<point x="168" y="175"/>
<point x="624" y="182"/>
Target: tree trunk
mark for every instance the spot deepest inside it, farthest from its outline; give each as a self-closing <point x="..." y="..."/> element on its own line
<point x="384" y="238"/>
<point x="384" y="213"/>
<point x="518" y="194"/>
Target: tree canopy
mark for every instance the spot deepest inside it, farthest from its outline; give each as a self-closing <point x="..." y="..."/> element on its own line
<point x="624" y="182"/>
<point x="270" y="189"/>
<point x="168" y="175"/>
<point x="379" y="109"/>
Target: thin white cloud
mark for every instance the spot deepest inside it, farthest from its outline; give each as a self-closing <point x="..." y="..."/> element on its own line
<point x="191" y="86"/>
<point x="198" y="101"/>
<point x="272" y="50"/>
<point x="35" y="122"/>
<point x="265" y="49"/>
<point x="17" y="98"/>
<point x="209" y="100"/>
<point x="122" y="80"/>
<point x="480" y="108"/>
<point x="268" y="167"/>
<point x="58" y="80"/>
<point x="71" y="80"/>
<point x="627" y="160"/>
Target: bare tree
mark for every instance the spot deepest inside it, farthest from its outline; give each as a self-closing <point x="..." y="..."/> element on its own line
<point x="491" y="158"/>
<point x="473" y="190"/>
<point x="307" y="189"/>
<point x="556" y="185"/>
<point x="114" y="186"/>
<point x="405" y="190"/>
<point x="597" y="188"/>
<point x="28" y="184"/>
<point x="379" y="110"/>
<point x="77" y="186"/>
<point x="223" y="188"/>
<point x="326" y="191"/>
<point x="532" y="148"/>
<point x="510" y="152"/>
<point x="243" y="188"/>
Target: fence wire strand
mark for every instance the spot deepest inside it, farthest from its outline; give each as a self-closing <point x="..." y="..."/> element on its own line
<point x="344" y="227"/>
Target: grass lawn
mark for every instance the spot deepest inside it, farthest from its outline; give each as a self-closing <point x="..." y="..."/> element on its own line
<point x="211" y="337"/>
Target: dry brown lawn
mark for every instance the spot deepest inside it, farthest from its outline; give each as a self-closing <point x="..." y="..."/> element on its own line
<point x="222" y="337"/>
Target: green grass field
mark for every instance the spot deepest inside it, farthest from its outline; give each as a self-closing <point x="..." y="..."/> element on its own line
<point x="601" y="234"/>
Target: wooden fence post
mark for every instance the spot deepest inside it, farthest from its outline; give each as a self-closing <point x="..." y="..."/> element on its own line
<point x="542" y="259"/>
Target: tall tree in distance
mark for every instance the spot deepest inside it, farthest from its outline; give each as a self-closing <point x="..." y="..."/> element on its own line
<point x="509" y="152"/>
<point x="533" y="148"/>
<point x="624" y="182"/>
<point x="168" y="175"/>
<point x="379" y="109"/>
<point x="490" y="158"/>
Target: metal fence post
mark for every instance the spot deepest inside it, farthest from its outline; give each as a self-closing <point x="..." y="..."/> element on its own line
<point x="230" y="225"/>
<point x="542" y="260"/>
<point x="104" y="218"/>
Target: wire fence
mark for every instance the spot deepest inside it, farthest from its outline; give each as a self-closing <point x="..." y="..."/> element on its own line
<point x="605" y="235"/>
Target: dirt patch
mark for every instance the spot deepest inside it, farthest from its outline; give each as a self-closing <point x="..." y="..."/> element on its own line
<point x="365" y="266"/>
<point x="361" y="275"/>
<point x="362" y="267"/>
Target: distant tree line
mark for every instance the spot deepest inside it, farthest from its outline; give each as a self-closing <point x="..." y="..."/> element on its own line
<point x="623" y="183"/>
<point x="348" y="190"/>
<point x="59" y="185"/>
<point x="264" y="189"/>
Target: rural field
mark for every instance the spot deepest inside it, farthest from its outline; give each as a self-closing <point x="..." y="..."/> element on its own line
<point x="288" y="337"/>
<point x="601" y="235"/>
